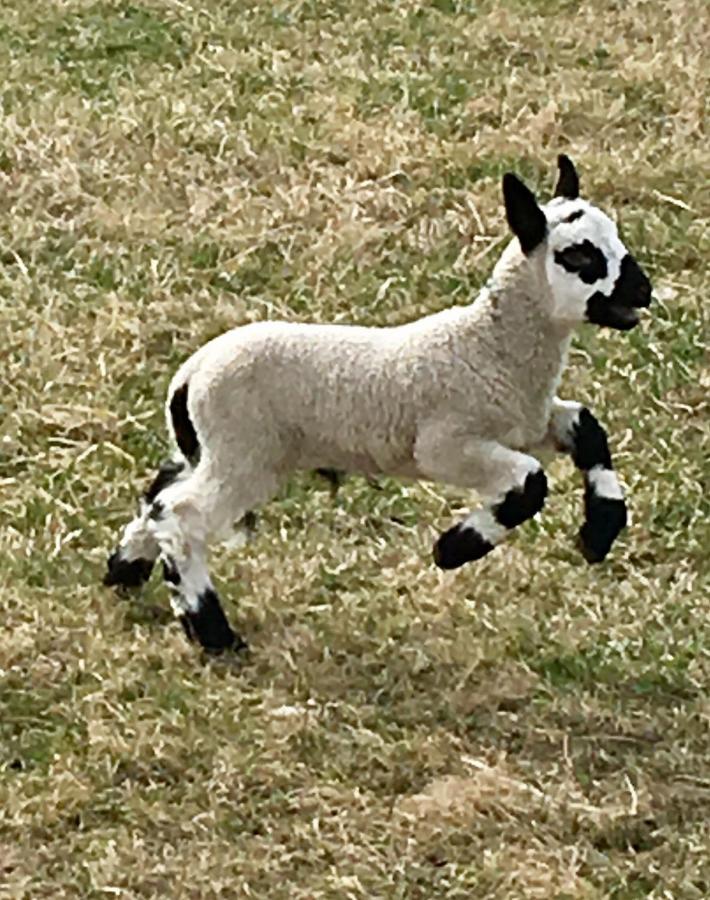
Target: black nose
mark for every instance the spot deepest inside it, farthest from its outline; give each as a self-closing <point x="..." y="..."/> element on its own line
<point x="643" y="294"/>
<point x="633" y="287"/>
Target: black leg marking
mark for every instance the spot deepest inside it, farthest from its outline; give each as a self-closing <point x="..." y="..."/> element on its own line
<point x="208" y="626"/>
<point x="589" y="443"/>
<point x="605" y="516"/>
<point x="250" y="520"/>
<point x="520" y="504"/>
<point x="127" y="573"/>
<point x="460" y="545"/>
<point x="334" y="477"/>
<point x="604" y="519"/>
<point x="185" y="433"/>
<point x="464" y="543"/>
<point x="167" y="474"/>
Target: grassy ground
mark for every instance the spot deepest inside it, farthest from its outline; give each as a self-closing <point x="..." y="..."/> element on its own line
<point x="527" y="727"/>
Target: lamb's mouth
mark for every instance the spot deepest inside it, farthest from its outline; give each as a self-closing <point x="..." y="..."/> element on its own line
<point x="626" y="317"/>
<point x="603" y="311"/>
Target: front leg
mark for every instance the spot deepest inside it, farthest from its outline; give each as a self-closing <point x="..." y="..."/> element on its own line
<point x="512" y="484"/>
<point x="574" y="430"/>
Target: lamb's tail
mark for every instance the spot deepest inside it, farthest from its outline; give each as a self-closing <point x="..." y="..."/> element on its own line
<point x="182" y="425"/>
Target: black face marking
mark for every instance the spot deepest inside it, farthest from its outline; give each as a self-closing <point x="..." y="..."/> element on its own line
<point x="527" y="221"/>
<point x="568" y="181"/>
<point x="460" y="545"/>
<point x="631" y="291"/>
<point x="584" y="259"/>
<point x="589" y="443"/>
<point x="167" y="474"/>
<point x="572" y="217"/>
<point x="209" y="627"/>
<point x="601" y="311"/>
<point x="632" y="287"/>
<point x="127" y="573"/>
<point x="518" y="505"/>
<point x="185" y="433"/>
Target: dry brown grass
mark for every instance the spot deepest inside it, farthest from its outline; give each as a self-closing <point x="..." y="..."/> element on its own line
<point x="529" y="727"/>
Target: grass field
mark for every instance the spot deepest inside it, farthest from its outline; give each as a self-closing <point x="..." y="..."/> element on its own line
<point x="528" y="727"/>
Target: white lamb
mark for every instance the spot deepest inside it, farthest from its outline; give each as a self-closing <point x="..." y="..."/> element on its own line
<point x="461" y="397"/>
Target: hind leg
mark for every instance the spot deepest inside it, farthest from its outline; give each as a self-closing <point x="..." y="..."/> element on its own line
<point x="131" y="563"/>
<point x="182" y="520"/>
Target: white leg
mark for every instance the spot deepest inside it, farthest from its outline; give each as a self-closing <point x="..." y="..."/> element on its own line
<point x="194" y="600"/>
<point x="183" y="520"/>
<point x="513" y="485"/>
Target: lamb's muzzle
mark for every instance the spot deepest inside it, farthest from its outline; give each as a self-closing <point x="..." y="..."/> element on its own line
<point x="632" y="292"/>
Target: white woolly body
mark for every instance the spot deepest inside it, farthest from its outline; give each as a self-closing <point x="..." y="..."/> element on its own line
<point x="274" y="397"/>
<point x="270" y="398"/>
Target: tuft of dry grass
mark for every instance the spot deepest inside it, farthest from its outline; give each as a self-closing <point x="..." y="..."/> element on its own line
<point x="528" y="727"/>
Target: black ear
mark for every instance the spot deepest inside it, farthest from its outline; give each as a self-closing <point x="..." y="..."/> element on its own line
<point x="568" y="181"/>
<point x="527" y="221"/>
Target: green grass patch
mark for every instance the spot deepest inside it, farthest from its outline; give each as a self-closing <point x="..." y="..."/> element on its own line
<point x="526" y="727"/>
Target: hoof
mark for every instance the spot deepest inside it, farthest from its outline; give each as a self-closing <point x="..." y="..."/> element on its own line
<point x="601" y="529"/>
<point x="459" y="545"/>
<point x="127" y="573"/>
<point x="208" y="627"/>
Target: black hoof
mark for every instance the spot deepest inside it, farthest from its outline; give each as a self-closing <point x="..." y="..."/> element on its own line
<point x="208" y="626"/>
<point x="601" y="529"/>
<point x="459" y="545"/>
<point x="127" y="573"/>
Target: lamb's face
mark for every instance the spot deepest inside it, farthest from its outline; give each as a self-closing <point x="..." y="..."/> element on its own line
<point x="591" y="275"/>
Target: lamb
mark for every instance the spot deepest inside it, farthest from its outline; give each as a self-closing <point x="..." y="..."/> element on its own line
<point x="464" y="396"/>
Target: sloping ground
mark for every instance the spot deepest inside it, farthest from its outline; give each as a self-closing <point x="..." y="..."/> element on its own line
<point x="527" y="727"/>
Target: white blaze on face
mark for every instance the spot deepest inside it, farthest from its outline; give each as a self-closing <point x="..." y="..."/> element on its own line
<point x="569" y="292"/>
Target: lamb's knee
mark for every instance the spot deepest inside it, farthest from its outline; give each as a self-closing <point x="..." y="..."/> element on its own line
<point x="589" y="447"/>
<point x="522" y="503"/>
<point x="484" y="528"/>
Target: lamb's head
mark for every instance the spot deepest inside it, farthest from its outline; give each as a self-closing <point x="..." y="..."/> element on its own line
<point x="590" y="274"/>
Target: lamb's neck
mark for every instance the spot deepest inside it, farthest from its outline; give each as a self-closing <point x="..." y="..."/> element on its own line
<point x="514" y="323"/>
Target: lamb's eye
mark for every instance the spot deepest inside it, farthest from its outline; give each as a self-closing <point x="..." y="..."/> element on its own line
<point x="574" y="258"/>
<point x="584" y="259"/>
